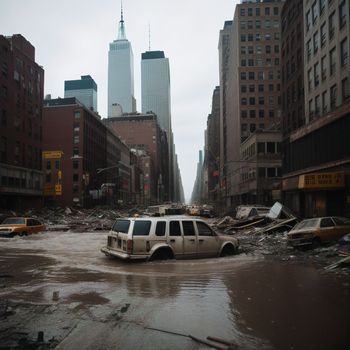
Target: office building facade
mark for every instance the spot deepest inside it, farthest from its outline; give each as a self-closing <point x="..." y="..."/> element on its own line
<point x="85" y="90"/>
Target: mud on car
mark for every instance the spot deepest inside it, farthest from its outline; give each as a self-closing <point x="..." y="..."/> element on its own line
<point x="166" y="238"/>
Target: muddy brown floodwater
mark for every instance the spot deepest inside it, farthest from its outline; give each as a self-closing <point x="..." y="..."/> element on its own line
<point x="254" y="302"/>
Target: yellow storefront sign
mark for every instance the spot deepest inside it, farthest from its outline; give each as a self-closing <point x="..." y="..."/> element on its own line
<point x="58" y="190"/>
<point x="52" y="154"/>
<point x="321" y="180"/>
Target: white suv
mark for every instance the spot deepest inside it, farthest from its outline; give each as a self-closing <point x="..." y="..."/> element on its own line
<point x="166" y="238"/>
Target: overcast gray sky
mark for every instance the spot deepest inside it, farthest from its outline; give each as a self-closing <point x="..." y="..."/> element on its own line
<point x="71" y="39"/>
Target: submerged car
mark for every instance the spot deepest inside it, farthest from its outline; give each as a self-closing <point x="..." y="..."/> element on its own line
<point x="21" y="226"/>
<point x="318" y="230"/>
<point x="166" y="238"/>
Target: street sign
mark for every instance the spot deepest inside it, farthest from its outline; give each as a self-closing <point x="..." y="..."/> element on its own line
<point x="58" y="190"/>
<point x="52" y="154"/>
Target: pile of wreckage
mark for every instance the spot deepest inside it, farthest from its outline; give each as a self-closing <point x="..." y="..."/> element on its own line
<point x="278" y="219"/>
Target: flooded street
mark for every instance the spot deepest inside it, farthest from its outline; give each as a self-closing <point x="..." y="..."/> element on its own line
<point x="102" y="303"/>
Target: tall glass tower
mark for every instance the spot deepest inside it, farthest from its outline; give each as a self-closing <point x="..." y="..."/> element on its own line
<point x="155" y="87"/>
<point x="121" y="72"/>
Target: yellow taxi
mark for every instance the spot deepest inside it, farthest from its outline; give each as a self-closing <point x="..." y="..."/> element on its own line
<point x="21" y="226"/>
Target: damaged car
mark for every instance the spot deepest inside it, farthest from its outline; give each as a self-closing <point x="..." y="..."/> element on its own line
<point x="20" y="226"/>
<point x="315" y="231"/>
<point x="166" y="238"/>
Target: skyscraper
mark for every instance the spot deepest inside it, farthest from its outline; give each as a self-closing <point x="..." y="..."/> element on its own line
<point x="155" y="87"/>
<point x="121" y="72"/>
<point x="155" y="95"/>
<point x="85" y="90"/>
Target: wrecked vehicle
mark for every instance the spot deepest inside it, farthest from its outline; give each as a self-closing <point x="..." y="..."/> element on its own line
<point x="250" y="211"/>
<point x="166" y="238"/>
<point x="21" y="226"/>
<point x="318" y="230"/>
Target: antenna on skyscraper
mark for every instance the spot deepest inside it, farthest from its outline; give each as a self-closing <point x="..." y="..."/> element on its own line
<point x="121" y="11"/>
<point x="149" y="36"/>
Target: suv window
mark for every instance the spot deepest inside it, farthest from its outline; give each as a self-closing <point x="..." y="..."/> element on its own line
<point x="141" y="228"/>
<point x="174" y="229"/>
<point x="30" y="222"/>
<point x="160" y="228"/>
<point x="121" y="226"/>
<point x="188" y="228"/>
<point x="204" y="230"/>
<point x="327" y="222"/>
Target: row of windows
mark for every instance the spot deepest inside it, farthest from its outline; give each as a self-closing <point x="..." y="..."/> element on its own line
<point x="252" y="101"/>
<point x="319" y="71"/>
<point x="262" y="148"/>
<point x="259" y="49"/>
<point x="257" y="24"/>
<point x="321" y="101"/>
<point x="253" y="113"/>
<point x="263" y="173"/>
<point x="261" y="75"/>
<point x="317" y="10"/>
<point x="260" y="87"/>
<point x="259" y="37"/>
<point x="250" y="11"/>
<point x="252" y="127"/>
<point x="260" y="62"/>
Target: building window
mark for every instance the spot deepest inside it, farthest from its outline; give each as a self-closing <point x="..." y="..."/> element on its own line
<point x="271" y="113"/>
<point x="251" y="88"/>
<point x="322" y="6"/>
<point x="75" y="177"/>
<point x="270" y="75"/>
<point x="251" y="75"/>
<point x="345" y="86"/>
<point x="252" y="127"/>
<point x="252" y="113"/>
<point x="308" y="20"/>
<point x="324" y="102"/>
<point x="250" y="24"/>
<point x="76" y="139"/>
<point x="244" y="114"/>
<point x="243" y="101"/>
<point x="267" y="23"/>
<point x="257" y="37"/>
<point x="257" y="11"/>
<point x="261" y="100"/>
<point x="257" y="24"/>
<point x="344" y="53"/>
<point x="271" y="100"/>
<point x="243" y="75"/>
<point x="314" y="12"/>
<point x="243" y="50"/>
<point x="323" y="68"/>
<point x="250" y="37"/>
<point x="250" y="11"/>
<point x="251" y="62"/>
<point x="48" y="165"/>
<point x="268" y="49"/>
<point x="316" y="74"/>
<point x="77" y="115"/>
<point x="323" y="34"/>
<point x="317" y="106"/>
<point x="3" y="149"/>
<point x="315" y="42"/>
<point x="242" y="12"/>
<point x="243" y="88"/>
<point x="243" y="37"/>
<point x="75" y="164"/>
<point x="342" y="14"/>
<point x="250" y="50"/>
<point x="244" y="127"/>
<point x="267" y="11"/>
<point x="48" y="177"/>
<point x="243" y="63"/>
<point x="261" y="113"/>
<point x="252" y="101"/>
<point x="308" y="50"/>
<point x="260" y="75"/>
<point x="261" y="87"/>
<point x="333" y="96"/>
<point x="243" y="24"/>
<point x="275" y="11"/>
<point x="331" y="26"/>
<point x="332" y="61"/>
<point x="271" y="87"/>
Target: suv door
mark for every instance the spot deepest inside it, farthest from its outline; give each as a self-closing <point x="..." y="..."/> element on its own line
<point x="189" y="238"/>
<point x="208" y="241"/>
<point x="175" y="239"/>
<point x="140" y="236"/>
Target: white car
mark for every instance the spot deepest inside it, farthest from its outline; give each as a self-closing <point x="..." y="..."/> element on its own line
<point x="166" y="238"/>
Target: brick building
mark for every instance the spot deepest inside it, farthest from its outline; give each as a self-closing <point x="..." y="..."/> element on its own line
<point x="21" y="96"/>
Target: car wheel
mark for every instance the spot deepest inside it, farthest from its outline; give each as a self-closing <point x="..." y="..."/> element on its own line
<point x="228" y="250"/>
<point x="162" y="254"/>
<point x="316" y="242"/>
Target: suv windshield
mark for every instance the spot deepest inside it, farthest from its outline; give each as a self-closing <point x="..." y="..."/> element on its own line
<point x="306" y="224"/>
